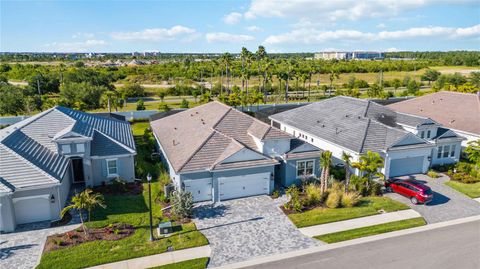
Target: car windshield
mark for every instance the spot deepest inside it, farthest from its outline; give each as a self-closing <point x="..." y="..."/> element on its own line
<point x="428" y="192"/>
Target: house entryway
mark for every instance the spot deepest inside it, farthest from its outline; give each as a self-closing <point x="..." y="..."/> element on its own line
<point x="77" y="169"/>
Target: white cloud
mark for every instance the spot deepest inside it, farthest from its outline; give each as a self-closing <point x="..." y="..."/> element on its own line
<point x="253" y="28"/>
<point x="392" y="50"/>
<point x="83" y="35"/>
<point x="232" y="18"/>
<point x="80" y="46"/>
<point x="156" y="34"/>
<point x="381" y="25"/>
<point x="226" y="37"/>
<point x="336" y="10"/>
<point x="314" y="36"/>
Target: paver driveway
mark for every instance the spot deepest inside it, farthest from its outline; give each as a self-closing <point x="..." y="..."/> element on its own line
<point x="245" y="228"/>
<point x="447" y="203"/>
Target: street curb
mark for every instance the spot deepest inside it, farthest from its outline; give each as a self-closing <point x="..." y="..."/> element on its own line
<point x="282" y="256"/>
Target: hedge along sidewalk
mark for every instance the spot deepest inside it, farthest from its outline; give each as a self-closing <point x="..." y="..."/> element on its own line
<point x="350" y="224"/>
<point x="159" y="259"/>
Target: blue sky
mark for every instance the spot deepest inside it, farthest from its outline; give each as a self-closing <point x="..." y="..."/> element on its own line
<point x="219" y="26"/>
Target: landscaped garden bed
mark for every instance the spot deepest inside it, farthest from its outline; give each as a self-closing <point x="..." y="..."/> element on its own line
<point x="464" y="177"/>
<point x="120" y="187"/>
<point x="75" y="237"/>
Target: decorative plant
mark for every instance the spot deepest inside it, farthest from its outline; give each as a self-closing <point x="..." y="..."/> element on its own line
<point x="86" y="200"/>
<point x="182" y="203"/>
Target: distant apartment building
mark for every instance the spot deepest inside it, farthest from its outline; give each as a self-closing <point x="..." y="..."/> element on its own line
<point x="349" y="55"/>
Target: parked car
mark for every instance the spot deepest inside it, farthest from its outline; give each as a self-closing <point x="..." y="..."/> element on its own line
<point x="414" y="190"/>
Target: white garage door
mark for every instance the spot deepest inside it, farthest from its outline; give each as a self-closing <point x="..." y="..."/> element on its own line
<point x="32" y="208"/>
<point x="406" y="166"/>
<point x="201" y="189"/>
<point x="243" y="186"/>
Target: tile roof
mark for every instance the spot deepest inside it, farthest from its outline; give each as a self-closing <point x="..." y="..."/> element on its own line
<point x="29" y="153"/>
<point x="454" y="110"/>
<point x="356" y="124"/>
<point x="201" y="137"/>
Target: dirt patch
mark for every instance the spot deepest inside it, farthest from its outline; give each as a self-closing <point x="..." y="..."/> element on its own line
<point x="75" y="237"/>
<point x="130" y="188"/>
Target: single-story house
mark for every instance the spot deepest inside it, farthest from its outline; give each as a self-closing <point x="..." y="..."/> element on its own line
<point x="42" y="156"/>
<point x="409" y="144"/>
<point x="457" y="111"/>
<point x="217" y="153"/>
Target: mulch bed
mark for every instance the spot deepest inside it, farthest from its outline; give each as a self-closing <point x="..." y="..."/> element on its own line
<point x="64" y="221"/>
<point x="168" y="215"/>
<point x="130" y="188"/>
<point x="75" y="237"/>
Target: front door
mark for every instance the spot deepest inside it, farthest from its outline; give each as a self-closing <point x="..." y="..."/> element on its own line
<point x="77" y="166"/>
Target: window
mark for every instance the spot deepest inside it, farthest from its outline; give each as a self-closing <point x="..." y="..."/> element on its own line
<point x="422" y="134"/>
<point x="452" y="151"/>
<point x="66" y="148"/>
<point x="439" y="154"/>
<point x="446" y="151"/>
<point x="305" y="168"/>
<point x="429" y="133"/>
<point x="80" y="147"/>
<point x="112" y="167"/>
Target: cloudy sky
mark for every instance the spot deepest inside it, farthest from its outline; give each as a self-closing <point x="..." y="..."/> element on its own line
<point x="223" y="25"/>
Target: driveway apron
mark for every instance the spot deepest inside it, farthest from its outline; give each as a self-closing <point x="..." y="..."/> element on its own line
<point x="245" y="228"/>
<point x="447" y="203"/>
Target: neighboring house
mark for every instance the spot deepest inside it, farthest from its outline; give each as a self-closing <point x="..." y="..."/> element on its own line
<point x="409" y="144"/>
<point x="219" y="153"/>
<point x="459" y="112"/>
<point x="44" y="154"/>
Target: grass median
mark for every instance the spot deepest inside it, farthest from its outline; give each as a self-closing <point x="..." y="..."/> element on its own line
<point x="371" y="230"/>
<point x="471" y="190"/>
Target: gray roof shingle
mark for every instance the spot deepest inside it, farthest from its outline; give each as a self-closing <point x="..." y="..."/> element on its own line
<point x="356" y="124"/>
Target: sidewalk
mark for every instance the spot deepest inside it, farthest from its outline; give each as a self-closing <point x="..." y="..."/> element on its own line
<point x="159" y="259"/>
<point x="477" y="199"/>
<point x="359" y="222"/>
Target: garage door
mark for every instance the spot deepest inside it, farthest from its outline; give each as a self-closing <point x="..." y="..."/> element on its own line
<point x="406" y="166"/>
<point x="201" y="189"/>
<point x="243" y="186"/>
<point x="32" y="208"/>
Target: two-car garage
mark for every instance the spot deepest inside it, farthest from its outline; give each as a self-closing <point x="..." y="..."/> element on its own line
<point x="221" y="188"/>
<point x="406" y="166"/>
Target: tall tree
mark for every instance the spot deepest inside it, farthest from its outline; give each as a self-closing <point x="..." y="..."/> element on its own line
<point x="370" y="164"/>
<point x="347" y="158"/>
<point x="334" y="74"/>
<point x="325" y="161"/>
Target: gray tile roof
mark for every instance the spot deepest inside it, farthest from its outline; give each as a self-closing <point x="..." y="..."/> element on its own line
<point x="104" y="146"/>
<point x="201" y="137"/>
<point x="32" y="142"/>
<point x="356" y="124"/>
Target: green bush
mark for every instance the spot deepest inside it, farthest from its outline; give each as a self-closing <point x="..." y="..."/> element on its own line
<point x="312" y="192"/>
<point x="184" y="103"/>
<point x="140" y="105"/>
<point x="275" y="194"/>
<point x="350" y="199"/>
<point x="375" y="189"/>
<point x="432" y="174"/>
<point x="295" y="203"/>
<point x="338" y="186"/>
<point x="334" y="199"/>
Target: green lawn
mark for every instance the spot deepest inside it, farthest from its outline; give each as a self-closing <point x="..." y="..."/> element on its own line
<point x="471" y="190"/>
<point x="371" y="230"/>
<point x="127" y="209"/>
<point x="138" y="128"/>
<point x="199" y="263"/>
<point x="368" y="206"/>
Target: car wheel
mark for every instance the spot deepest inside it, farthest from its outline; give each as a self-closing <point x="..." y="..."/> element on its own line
<point x="414" y="200"/>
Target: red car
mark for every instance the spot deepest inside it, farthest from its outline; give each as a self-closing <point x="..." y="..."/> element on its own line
<point x="415" y="191"/>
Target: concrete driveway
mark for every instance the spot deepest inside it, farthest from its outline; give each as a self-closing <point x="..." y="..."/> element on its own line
<point x="242" y="229"/>
<point x="447" y="204"/>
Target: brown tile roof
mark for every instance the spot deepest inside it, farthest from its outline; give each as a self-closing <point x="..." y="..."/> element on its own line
<point x="458" y="111"/>
<point x="201" y="137"/>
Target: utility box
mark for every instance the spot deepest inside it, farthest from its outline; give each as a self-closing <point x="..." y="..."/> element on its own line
<point x="165" y="228"/>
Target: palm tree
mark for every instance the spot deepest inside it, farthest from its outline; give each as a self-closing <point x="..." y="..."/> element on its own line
<point x="161" y="94"/>
<point x="84" y="201"/>
<point x="226" y="60"/>
<point x="243" y="56"/>
<point x="369" y="165"/>
<point x="325" y="161"/>
<point x="110" y="97"/>
<point x="267" y="65"/>
<point x="332" y="76"/>
<point x="347" y="158"/>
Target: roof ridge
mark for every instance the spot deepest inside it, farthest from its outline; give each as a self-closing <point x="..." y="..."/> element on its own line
<point x="87" y="114"/>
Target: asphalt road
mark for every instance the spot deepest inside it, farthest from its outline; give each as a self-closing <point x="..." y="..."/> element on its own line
<point x="455" y="246"/>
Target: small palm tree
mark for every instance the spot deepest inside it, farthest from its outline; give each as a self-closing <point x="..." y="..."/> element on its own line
<point x="347" y="158"/>
<point x="325" y="161"/>
<point x="369" y="164"/>
<point x="84" y="201"/>
<point x="473" y="151"/>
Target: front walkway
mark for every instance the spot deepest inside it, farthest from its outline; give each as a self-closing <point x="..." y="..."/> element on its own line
<point x="242" y="229"/>
<point x="351" y="224"/>
<point x="447" y="204"/>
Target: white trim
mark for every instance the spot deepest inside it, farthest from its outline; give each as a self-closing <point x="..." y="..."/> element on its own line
<point x="305" y="161"/>
<point x="111" y="156"/>
<point x="108" y="168"/>
<point x="46" y="196"/>
<point x="238" y="168"/>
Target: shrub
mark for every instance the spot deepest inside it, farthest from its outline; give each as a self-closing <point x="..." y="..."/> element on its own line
<point x="432" y="174"/>
<point x="334" y="199"/>
<point x="184" y="103"/>
<point x="375" y="189"/>
<point x="350" y="199"/>
<point x="140" y="105"/>
<point x="338" y="186"/>
<point x="119" y="184"/>
<point x="182" y="203"/>
<point x="57" y="241"/>
<point x="294" y="202"/>
<point x="313" y="194"/>
<point x="275" y="194"/>
<point x="164" y="107"/>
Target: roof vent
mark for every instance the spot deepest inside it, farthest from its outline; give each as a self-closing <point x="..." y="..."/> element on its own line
<point x="191" y="115"/>
<point x="323" y="125"/>
<point x="196" y="112"/>
<point x="318" y="121"/>
<point x="174" y="128"/>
